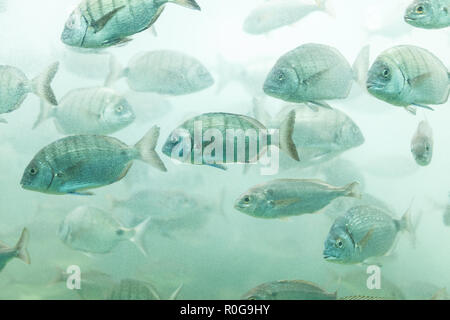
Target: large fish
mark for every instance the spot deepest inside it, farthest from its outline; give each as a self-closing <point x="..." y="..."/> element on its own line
<point x="291" y="197"/>
<point x="95" y="110"/>
<point x="409" y="77"/>
<point x="193" y="145"/>
<point x="78" y="163"/>
<point x="363" y="232"/>
<point x="104" y="23"/>
<point x="313" y="73"/>
<point x="8" y="253"/>
<point x="429" y="14"/>
<point x="164" y="72"/>
<point x="15" y="86"/>
<point x="422" y="144"/>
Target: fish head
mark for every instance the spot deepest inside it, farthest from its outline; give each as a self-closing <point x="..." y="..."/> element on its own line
<point x="178" y="145"/>
<point x="118" y="112"/>
<point x="38" y="176"/>
<point x="282" y="82"/>
<point x="339" y="247"/>
<point x="256" y="202"/>
<point x="349" y="135"/>
<point x="420" y="14"/>
<point x="75" y="29"/>
<point x="422" y="150"/>
<point x="199" y="77"/>
<point x="385" y="79"/>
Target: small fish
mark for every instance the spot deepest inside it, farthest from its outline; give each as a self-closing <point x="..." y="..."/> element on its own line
<point x="95" y="110"/>
<point x="18" y="251"/>
<point x="15" y="86"/>
<point x="276" y="14"/>
<point x="291" y="197"/>
<point x="185" y="138"/>
<point x="446" y="216"/>
<point x="289" y="290"/>
<point x="164" y="72"/>
<point x="422" y="144"/>
<point x="75" y="164"/>
<point x="409" y="77"/>
<point x="131" y="289"/>
<point x="363" y="232"/>
<point x="92" y="230"/>
<point x="313" y="73"/>
<point x="429" y="14"/>
<point x="97" y="24"/>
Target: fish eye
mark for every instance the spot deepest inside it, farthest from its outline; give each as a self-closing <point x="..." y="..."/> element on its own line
<point x="386" y="72"/>
<point x="246" y="199"/>
<point x="174" y="139"/>
<point x="339" y="244"/>
<point x="119" y="232"/>
<point x="419" y="9"/>
<point x="427" y="148"/>
<point x="33" y="171"/>
<point x="281" y="76"/>
<point x="119" y="109"/>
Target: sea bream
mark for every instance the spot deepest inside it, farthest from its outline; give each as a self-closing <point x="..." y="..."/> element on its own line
<point x="103" y="23"/>
<point x="96" y="110"/>
<point x="429" y="14"/>
<point x="422" y="144"/>
<point x="8" y="253"/>
<point x="75" y="164"/>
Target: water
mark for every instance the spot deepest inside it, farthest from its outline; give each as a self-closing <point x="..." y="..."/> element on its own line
<point x="229" y="253"/>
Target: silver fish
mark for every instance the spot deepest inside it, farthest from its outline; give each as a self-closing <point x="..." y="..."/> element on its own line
<point x="164" y="72"/>
<point x="131" y="289"/>
<point x="363" y="232"/>
<point x="15" y="86"/>
<point x="409" y="77"/>
<point x="290" y="197"/>
<point x="422" y="144"/>
<point x="105" y="23"/>
<point x="289" y="290"/>
<point x="91" y="230"/>
<point x="97" y="110"/>
<point x="429" y="14"/>
<point x="313" y="73"/>
<point x="276" y="14"/>
<point x="8" y="253"/>
<point x="78" y="163"/>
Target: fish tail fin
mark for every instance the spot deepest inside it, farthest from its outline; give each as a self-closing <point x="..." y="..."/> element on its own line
<point x="405" y="224"/>
<point x="139" y="235"/>
<point x="361" y="66"/>
<point x="352" y="190"/>
<point x="146" y="148"/>
<point x="175" y="294"/>
<point x="41" y="85"/>
<point x="47" y="111"/>
<point x="260" y="113"/>
<point x="116" y="71"/>
<point x="21" y="247"/>
<point x="325" y="6"/>
<point x="286" y="130"/>
<point x="191" y="4"/>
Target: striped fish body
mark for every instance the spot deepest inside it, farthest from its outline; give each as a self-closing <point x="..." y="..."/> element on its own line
<point x="92" y="111"/>
<point x="130" y="289"/>
<point x="429" y="14"/>
<point x="14" y="88"/>
<point x="77" y="163"/>
<point x="167" y="72"/>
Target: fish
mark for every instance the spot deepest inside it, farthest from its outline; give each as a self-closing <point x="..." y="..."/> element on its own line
<point x="131" y="289"/>
<point x="98" y="24"/>
<point x="315" y="143"/>
<point x="313" y="73"/>
<point x="428" y="14"/>
<point x="446" y="215"/>
<point x="183" y="143"/>
<point x="165" y="72"/>
<point x="362" y="233"/>
<point x="15" y="86"/>
<point x="422" y="144"/>
<point x="276" y="14"/>
<point x="96" y="110"/>
<point x="289" y="290"/>
<point x="282" y="198"/>
<point x="409" y="77"/>
<point x="19" y="251"/>
<point x="75" y="164"/>
<point x="362" y="298"/>
<point x="92" y="230"/>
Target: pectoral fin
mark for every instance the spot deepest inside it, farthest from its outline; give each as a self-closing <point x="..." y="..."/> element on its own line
<point x="363" y="242"/>
<point x="417" y="81"/>
<point x="286" y="202"/>
<point x="314" y="104"/>
<point x="80" y="193"/>
<point x="99" y="24"/>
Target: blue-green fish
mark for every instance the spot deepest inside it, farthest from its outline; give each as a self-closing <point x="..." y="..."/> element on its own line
<point x="78" y="163"/>
<point x="422" y="144"/>
<point x="104" y="23"/>
<point x="429" y="14"/>
<point x="409" y="77"/>
<point x="282" y="198"/>
<point x="363" y="232"/>
<point x="8" y="253"/>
